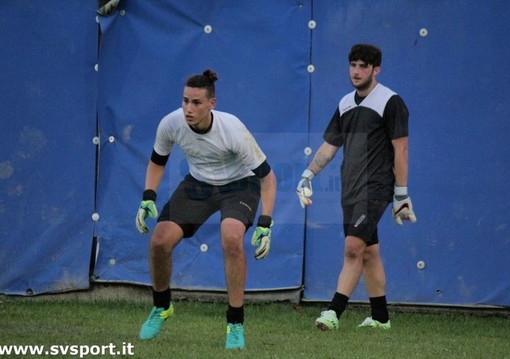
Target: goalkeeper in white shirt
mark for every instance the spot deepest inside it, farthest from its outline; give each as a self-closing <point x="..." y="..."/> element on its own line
<point x="228" y="173"/>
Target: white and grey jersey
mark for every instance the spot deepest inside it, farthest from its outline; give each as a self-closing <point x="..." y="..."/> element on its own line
<point x="227" y="153"/>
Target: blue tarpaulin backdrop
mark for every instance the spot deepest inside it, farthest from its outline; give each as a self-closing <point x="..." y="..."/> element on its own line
<point x="82" y="95"/>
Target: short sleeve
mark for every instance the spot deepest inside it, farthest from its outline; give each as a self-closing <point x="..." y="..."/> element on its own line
<point x="396" y="118"/>
<point x="333" y="134"/>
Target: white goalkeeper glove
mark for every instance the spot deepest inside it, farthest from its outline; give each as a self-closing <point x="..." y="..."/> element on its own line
<point x="304" y="188"/>
<point x="402" y="206"/>
<point x="261" y="238"/>
<point x="147" y="208"/>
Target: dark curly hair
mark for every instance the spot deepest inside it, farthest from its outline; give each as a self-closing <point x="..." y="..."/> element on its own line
<point x="366" y="53"/>
<point x="205" y="81"/>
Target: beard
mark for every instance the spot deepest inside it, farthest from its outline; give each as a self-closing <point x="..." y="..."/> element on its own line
<point x="362" y="85"/>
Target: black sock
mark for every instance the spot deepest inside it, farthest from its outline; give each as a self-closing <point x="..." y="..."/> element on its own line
<point x="162" y="299"/>
<point x="379" y="309"/>
<point x="338" y="304"/>
<point x="235" y="315"/>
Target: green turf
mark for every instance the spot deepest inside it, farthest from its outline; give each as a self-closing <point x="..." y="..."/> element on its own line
<point x="276" y="330"/>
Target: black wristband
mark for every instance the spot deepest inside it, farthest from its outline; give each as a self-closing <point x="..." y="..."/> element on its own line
<point x="149" y="195"/>
<point x="264" y="221"/>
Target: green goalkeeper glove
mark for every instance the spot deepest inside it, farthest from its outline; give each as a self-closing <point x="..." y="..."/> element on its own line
<point x="147" y="208"/>
<point x="262" y="237"/>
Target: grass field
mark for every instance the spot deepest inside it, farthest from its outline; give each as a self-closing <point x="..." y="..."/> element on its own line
<point x="276" y="330"/>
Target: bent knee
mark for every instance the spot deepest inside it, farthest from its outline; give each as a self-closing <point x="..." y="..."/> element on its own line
<point x="160" y="241"/>
<point x="232" y="236"/>
<point x="233" y="244"/>
<point x="166" y="236"/>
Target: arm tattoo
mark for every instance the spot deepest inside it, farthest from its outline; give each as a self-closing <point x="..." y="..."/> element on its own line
<point x="321" y="160"/>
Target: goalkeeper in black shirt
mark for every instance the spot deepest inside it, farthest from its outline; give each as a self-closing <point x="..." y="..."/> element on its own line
<point x="371" y="124"/>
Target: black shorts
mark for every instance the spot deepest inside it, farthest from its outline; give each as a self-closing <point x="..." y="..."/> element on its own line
<point x="193" y="202"/>
<point x="362" y="218"/>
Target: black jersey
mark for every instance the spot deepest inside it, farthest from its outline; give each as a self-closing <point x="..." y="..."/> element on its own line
<point x="365" y="129"/>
